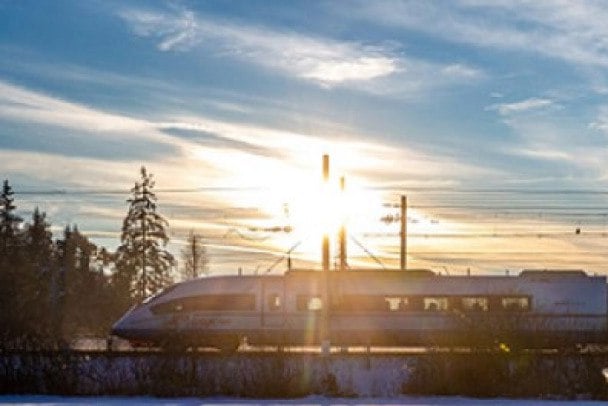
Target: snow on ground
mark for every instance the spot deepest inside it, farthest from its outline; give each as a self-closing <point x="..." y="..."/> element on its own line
<point x="309" y="401"/>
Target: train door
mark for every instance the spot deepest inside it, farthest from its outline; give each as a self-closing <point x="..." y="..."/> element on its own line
<point x="273" y="303"/>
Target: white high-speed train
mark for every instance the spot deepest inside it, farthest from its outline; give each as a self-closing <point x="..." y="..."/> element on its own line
<point x="537" y="308"/>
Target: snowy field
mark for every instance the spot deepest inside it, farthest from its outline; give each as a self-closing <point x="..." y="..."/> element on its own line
<point x="310" y="401"/>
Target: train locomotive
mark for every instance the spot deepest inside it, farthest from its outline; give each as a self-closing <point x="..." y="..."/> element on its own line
<point x="364" y="307"/>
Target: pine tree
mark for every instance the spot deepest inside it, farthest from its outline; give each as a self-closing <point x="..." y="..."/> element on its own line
<point x="81" y="286"/>
<point x="10" y="292"/>
<point x="38" y="242"/>
<point x="64" y="258"/>
<point x="194" y="257"/>
<point x="143" y="262"/>
<point x="36" y="277"/>
<point x="9" y="222"/>
<point x="109" y="303"/>
<point x="81" y="299"/>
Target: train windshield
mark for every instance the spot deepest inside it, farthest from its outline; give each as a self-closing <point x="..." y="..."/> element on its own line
<point x="159" y="294"/>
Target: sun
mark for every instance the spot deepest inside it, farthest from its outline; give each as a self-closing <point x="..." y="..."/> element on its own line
<point x="318" y="209"/>
<point x="295" y="197"/>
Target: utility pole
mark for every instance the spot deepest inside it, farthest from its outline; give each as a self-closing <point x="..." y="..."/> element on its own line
<point x="342" y="234"/>
<point x="403" y="233"/>
<point x="324" y="331"/>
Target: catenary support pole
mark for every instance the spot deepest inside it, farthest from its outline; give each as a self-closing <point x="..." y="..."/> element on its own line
<point x="342" y="233"/>
<point x="324" y="331"/>
<point x="403" y="233"/>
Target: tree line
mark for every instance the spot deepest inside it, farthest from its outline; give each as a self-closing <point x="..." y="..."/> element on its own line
<point x="53" y="290"/>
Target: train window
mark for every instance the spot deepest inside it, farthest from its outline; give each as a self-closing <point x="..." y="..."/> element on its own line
<point x="310" y="303"/>
<point x="366" y="303"/>
<point x="222" y="302"/>
<point x="274" y="302"/>
<point x="315" y="303"/>
<point x="393" y="303"/>
<point x="229" y="302"/>
<point x="171" y="306"/>
<point x="515" y="304"/>
<point x="435" y="303"/>
<point x="479" y="304"/>
<point x="159" y="294"/>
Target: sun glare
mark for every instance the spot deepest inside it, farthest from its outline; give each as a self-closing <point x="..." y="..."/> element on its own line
<point x="321" y="208"/>
<point x="291" y="196"/>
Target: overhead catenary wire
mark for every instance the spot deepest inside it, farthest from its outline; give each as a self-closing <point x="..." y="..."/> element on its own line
<point x="398" y="189"/>
<point x="540" y="214"/>
<point x="280" y="259"/>
<point x="368" y="252"/>
<point x="530" y="234"/>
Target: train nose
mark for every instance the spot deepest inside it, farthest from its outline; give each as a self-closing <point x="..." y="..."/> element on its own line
<point x="124" y="325"/>
<point x="134" y="323"/>
<point x="119" y="328"/>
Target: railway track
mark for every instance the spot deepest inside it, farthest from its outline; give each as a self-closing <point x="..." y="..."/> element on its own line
<point x="309" y="352"/>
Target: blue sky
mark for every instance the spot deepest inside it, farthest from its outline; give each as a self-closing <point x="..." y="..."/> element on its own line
<point x="248" y="95"/>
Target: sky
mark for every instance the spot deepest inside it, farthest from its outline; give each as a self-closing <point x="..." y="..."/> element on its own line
<point x="491" y="116"/>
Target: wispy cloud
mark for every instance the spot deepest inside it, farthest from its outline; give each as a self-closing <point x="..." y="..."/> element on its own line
<point x="200" y="142"/>
<point x="18" y="103"/>
<point x="570" y="150"/>
<point x="601" y="121"/>
<point x="534" y="103"/>
<point x="325" y="61"/>
<point x="574" y="31"/>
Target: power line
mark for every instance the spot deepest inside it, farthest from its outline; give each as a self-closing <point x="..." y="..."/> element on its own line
<point x="529" y="234"/>
<point x="67" y="192"/>
<point x="368" y="252"/>
<point x="456" y="190"/>
<point x="507" y="253"/>
<point x="401" y="189"/>
<point x="505" y="208"/>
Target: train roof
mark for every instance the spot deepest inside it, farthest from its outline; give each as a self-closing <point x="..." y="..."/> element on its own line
<point x="577" y="273"/>
<point x="356" y="273"/>
<point x="410" y="273"/>
<point x="418" y="273"/>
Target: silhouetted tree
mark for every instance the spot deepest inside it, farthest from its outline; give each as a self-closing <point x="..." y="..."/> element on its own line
<point x="194" y="257"/>
<point x="50" y="292"/>
<point x="72" y="268"/>
<point x="38" y="242"/>
<point x="9" y="223"/>
<point x="10" y="244"/>
<point x="109" y="302"/>
<point x="36" y="277"/>
<point x="143" y="263"/>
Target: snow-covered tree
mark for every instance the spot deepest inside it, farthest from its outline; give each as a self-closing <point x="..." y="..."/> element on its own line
<point x="143" y="264"/>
